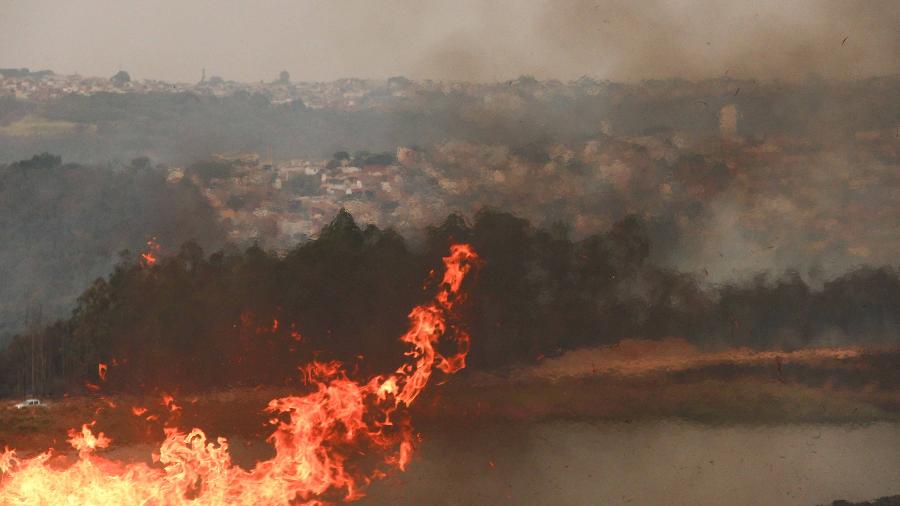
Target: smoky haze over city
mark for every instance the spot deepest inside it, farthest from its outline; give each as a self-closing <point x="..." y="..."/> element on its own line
<point x="613" y="252"/>
<point x="457" y="41"/>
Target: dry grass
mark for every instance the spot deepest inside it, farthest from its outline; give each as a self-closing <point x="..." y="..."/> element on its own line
<point x="233" y="413"/>
<point x="32" y="125"/>
<point x="745" y="400"/>
<point x="834" y="391"/>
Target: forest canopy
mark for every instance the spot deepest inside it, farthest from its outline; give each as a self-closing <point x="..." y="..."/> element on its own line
<point x="199" y="321"/>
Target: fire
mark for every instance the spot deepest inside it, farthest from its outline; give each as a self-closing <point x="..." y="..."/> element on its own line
<point x="169" y="402"/>
<point x="329" y="444"/>
<point x="85" y="441"/>
<point x="101" y="371"/>
<point x="148" y="258"/>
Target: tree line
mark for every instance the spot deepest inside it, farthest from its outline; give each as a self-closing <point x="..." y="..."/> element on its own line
<point x="62" y="225"/>
<point x="246" y="317"/>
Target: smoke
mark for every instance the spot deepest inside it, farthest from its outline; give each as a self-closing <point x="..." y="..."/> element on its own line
<point x="463" y="40"/>
<point x="65" y="225"/>
<point x="697" y="39"/>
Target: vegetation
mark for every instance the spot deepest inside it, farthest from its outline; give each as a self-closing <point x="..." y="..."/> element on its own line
<point x="185" y="127"/>
<point x="197" y="321"/>
<point x="63" y="225"/>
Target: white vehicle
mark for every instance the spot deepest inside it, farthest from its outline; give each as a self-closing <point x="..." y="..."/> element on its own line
<point x="31" y="403"/>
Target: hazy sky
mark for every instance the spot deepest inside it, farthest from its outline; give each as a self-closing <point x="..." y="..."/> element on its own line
<point x="453" y="39"/>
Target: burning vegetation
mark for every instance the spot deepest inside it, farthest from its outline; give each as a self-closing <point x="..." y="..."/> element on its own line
<point x="539" y="295"/>
<point x="329" y="444"/>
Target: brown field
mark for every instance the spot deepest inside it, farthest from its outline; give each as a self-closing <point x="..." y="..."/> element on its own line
<point x="670" y="424"/>
<point x="666" y="381"/>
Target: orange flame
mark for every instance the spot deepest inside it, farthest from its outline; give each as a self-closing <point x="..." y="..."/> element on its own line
<point x="101" y="371"/>
<point x="318" y="438"/>
<point x="148" y="258"/>
<point x="85" y="441"/>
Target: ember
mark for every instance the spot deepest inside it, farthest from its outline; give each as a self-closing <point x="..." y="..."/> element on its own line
<point x="148" y="258"/>
<point x="318" y="437"/>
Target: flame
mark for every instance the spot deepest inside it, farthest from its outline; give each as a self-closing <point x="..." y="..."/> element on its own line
<point x="85" y="441"/>
<point x="169" y="402"/>
<point x="101" y="371"/>
<point x="148" y="258"/>
<point x="329" y="444"/>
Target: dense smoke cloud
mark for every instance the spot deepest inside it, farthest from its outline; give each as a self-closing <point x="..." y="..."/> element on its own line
<point x="690" y="39"/>
<point x="463" y="40"/>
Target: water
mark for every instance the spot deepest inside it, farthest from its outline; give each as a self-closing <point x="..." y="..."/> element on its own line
<point x="649" y="463"/>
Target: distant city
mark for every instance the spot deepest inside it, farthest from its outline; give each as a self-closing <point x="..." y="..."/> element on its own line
<point x="584" y="152"/>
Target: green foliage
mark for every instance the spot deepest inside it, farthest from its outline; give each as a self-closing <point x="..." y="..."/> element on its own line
<point x="120" y="78"/>
<point x="188" y="126"/>
<point x="41" y="161"/>
<point x="303" y="184"/>
<point x="197" y="321"/>
<point x="211" y="169"/>
<point x="363" y="158"/>
<point x="63" y="224"/>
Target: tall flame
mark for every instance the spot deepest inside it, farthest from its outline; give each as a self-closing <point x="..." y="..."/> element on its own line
<point x="324" y="441"/>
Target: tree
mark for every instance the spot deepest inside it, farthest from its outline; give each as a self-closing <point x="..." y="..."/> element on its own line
<point x="398" y="82"/>
<point x="41" y="161"/>
<point x="120" y="78"/>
